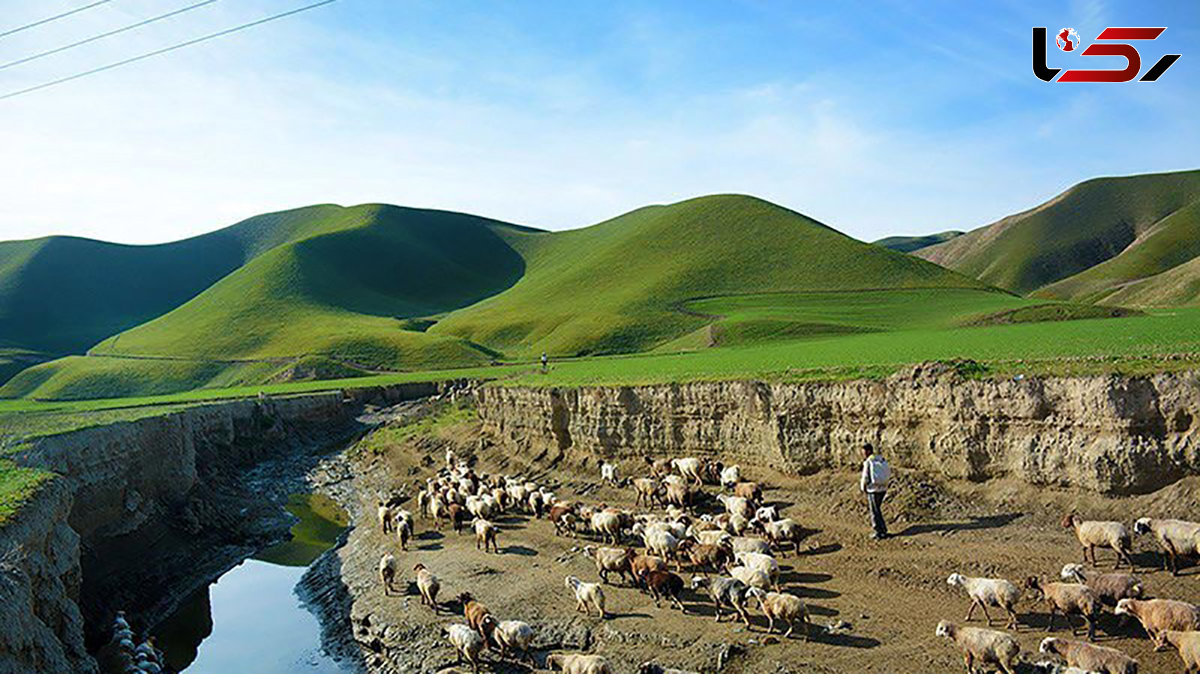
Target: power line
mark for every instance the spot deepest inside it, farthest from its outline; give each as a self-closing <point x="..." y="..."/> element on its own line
<point x="102" y="36"/>
<point x="159" y="52"/>
<point x="53" y="18"/>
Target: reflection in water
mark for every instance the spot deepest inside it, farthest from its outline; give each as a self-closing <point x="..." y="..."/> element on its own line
<point x="250" y="620"/>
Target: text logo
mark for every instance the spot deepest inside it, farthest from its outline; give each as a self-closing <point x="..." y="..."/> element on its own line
<point x="1110" y="42"/>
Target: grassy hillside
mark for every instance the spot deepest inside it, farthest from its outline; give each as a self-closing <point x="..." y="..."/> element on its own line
<point x="907" y="244"/>
<point x="1086" y="242"/>
<point x="342" y="293"/>
<point x="616" y="287"/>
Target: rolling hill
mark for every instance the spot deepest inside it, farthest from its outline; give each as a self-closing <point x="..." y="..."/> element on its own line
<point x="1125" y="240"/>
<point x="907" y="244"/>
<point x="616" y="287"/>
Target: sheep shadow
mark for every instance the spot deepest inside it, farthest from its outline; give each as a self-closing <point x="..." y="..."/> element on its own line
<point x="519" y="550"/>
<point x="974" y="524"/>
<point x="430" y="546"/>
<point x="813" y="592"/>
<point x="804" y="578"/>
<point x="817" y="609"/>
<point x="430" y="535"/>
<point x="843" y="640"/>
<point x="823" y="549"/>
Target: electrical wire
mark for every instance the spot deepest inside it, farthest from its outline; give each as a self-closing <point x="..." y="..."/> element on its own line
<point x="102" y="36"/>
<point x="164" y="50"/>
<point x="53" y="18"/>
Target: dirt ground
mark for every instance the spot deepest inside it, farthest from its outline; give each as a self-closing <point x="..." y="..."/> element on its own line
<point x="891" y="593"/>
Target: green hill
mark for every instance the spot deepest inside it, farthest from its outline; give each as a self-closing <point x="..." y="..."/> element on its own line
<point x="907" y="244"/>
<point x="616" y="287"/>
<point x="1091" y="242"/>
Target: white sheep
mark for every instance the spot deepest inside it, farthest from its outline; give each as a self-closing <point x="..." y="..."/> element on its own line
<point x="655" y="668"/>
<point x="985" y="592"/>
<point x="1177" y="538"/>
<point x="753" y="577"/>
<point x="660" y="543"/>
<point x="749" y="544"/>
<point x="736" y="505"/>
<point x="467" y="643"/>
<point x="509" y="636"/>
<point x="608" y="473"/>
<point x="485" y="535"/>
<point x="609" y="524"/>
<point x="982" y="644"/>
<point x="1089" y="657"/>
<point x="764" y="563"/>
<point x="587" y="596"/>
<point x="730" y="476"/>
<point x="1099" y="534"/>
<point x="387" y="571"/>
<point x="428" y="586"/>
<point x="689" y="468"/>
<point x="578" y="663"/>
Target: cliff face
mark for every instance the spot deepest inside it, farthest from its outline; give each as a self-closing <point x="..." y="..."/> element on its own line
<point x="159" y="504"/>
<point x="1110" y="434"/>
<point x="41" y="627"/>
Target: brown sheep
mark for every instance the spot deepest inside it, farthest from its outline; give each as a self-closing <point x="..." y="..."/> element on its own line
<point x="473" y="611"/>
<point x="611" y="560"/>
<point x="648" y="491"/>
<point x="704" y="557"/>
<point x="563" y="517"/>
<point x="1188" y="645"/>
<point x="1070" y="598"/>
<point x="751" y="491"/>
<point x="1090" y="657"/>
<point x="1159" y="615"/>
<point x="641" y="565"/>
<point x="578" y="663"/>
<point x="982" y="644"/>
<point x="665" y="584"/>
<point x="659" y="467"/>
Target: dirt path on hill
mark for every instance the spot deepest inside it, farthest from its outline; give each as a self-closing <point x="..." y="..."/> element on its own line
<point x="891" y="594"/>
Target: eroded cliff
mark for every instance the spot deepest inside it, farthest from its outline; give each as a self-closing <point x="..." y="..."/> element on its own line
<point x="1110" y="434"/>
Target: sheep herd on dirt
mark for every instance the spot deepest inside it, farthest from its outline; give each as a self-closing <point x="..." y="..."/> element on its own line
<point x="1086" y="593"/>
<point x="729" y="552"/>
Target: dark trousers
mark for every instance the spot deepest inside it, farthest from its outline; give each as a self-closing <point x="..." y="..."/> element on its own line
<point x="875" y="499"/>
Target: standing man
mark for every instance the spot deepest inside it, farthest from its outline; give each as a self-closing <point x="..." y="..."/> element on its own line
<point x="545" y="363"/>
<point x="874" y="483"/>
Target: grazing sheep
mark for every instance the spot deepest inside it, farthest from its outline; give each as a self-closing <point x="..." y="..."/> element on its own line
<point x="1188" y="645"/>
<point x="578" y="663"/>
<point x="751" y="491"/>
<point x="660" y="543"/>
<point x="765" y="514"/>
<point x="428" y="586"/>
<point x="725" y="591"/>
<point x="1109" y="587"/>
<point x="1051" y="667"/>
<point x="730" y="476"/>
<point x="608" y="473"/>
<point x="985" y="592"/>
<point x="563" y="517"/>
<point x="711" y="537"/>
<point x="646" y="490"/>
<point x="485" y="535"/>
<point x="1177" y="538"/>
<point x="609" y="524"/>
<point x="1160" y="615"/>
<point x="782" y="532"/>
<point x="655" y="668"/>
<point x="509" y="637"/>
<point x="764" y="563"/>
<point x="734" y="525"/>
<point x="385" y="517"/>
<point x="754" y="577"/>
<point x="784" y="607"/>
<point x="387" y="571"/>
<point x="1069" y="598"/>
<point x="665" y="584"/>
<point x="659" y="467"/>
<point x="467" y="643"/>
<point x="1094" y="534"/>
<point x="736" y="505"/>
<point x="1089" y="657"/>
<point x="473" y="611"/>
<point x="587" y="596"/>
<point x="610" y="560"/>
<point x="982" y="644"/>
<point x="747" y="544"/>
<point x="677" y="494"/>
<point x="689" y="468"/>
<point x="642" y="565"/>
<point x="704" y="557"/>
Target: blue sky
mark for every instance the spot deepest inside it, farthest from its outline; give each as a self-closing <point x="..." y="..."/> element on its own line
<point x="875" y="117"/>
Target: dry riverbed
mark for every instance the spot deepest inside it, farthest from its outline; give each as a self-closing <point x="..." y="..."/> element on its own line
<point x="884" y="597"/>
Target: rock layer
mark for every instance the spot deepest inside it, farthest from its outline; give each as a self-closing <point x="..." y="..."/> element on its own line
<point x="1110" y="434"/>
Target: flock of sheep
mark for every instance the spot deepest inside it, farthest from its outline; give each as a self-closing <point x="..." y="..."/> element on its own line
<point x="731" y="553"/>
<point x="1169" y="623"/>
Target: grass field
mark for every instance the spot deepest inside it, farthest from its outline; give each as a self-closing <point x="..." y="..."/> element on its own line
<point x="907" y="244"/>
<point x="18" y="485"/>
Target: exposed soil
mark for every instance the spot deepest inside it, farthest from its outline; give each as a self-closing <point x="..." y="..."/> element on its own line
<point x="891" y="594"/>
